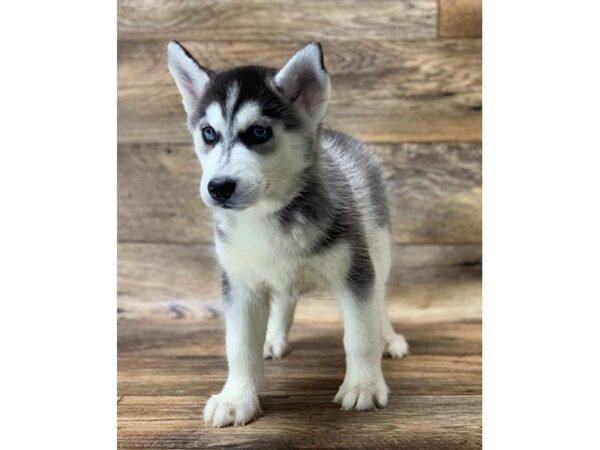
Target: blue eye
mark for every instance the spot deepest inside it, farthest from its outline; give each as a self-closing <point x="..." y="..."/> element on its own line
<point x="258" y="134"/>
<point x="209" y="135"/>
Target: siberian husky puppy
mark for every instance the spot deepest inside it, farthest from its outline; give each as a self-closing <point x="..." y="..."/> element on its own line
<point x="296" y="208"/>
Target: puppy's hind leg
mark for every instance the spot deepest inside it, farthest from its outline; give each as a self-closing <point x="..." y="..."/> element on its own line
<point x="380" y="246"/>
<point x="396" y="345"/>
<point x="281" y="317"/>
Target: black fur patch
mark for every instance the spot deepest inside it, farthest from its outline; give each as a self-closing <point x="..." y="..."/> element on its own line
<point x="336" y="229"/>
<point x="321" y="53"/>
<point x="254" y="84"/>
<point x="376" y="187"/>
<point x="361" y="275"/>
<point x="327" y="204"/>
<point x="311" y="203"/>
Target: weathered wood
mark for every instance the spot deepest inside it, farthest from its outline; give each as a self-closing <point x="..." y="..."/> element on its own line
<point x="459" y="19"/>
<point x="434" y="193"/>
<point x="179" y="271"/>
<point x="432" y="92"/>
<point x="154" y="115"/>
<point x="382" y="92"/>
<point x="306" y="20"/>
<point x="189" y="359"/>
<point x="359" y="69"/>
<point x="393" y="83"/>
<point x="313" y="335"/>
<point x="167" y="369"/>
<point x="152" y="300"/>
<point x="181" y="282"/>
<point x="202" y="375"/>
<point x="306" y="421"/>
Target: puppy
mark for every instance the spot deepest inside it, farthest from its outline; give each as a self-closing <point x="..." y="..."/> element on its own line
<point x="296" y="208"/>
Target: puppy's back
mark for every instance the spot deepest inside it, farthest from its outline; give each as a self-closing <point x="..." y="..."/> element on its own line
<point x="362" y="170"/>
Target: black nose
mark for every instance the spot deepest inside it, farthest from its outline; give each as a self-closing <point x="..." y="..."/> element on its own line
<point x="221" y="189"/>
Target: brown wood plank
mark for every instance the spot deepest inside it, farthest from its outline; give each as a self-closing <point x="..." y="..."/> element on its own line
<point x="180" y="282"/>
<point x="459" y="19"/>
<point x="179" y="271"/>
<point x="307" y="20"/>
<point x="154" y="115"/>
<point x="204" y="338"/>
<point x="392" y="92"/>
<point x="189" y="359"/>
<point x="393" y="82"/>
<point x="146" y="296"/>
<point x="306" y="421"/>
<point x="203" y="375"/>
<point x="359" y="69"/>
<point x="434" y="193"/>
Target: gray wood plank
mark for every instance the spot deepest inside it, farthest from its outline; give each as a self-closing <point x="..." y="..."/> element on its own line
<point x="434" y="191"/>
<point x="307" y="20"/>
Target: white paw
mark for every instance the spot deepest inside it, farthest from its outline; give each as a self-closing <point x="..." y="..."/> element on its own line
<point x="396" y="347"/>
<point x="362" y="396"/>
<point x="275" y="348"/>
<point x="222" y="410"/>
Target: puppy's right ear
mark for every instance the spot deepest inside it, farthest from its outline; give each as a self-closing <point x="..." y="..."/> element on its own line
<point x="191" y="78"/>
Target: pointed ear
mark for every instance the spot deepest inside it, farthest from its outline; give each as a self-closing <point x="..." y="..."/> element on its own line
<point x="191" y="78"/>
<point x="304" y="81"/>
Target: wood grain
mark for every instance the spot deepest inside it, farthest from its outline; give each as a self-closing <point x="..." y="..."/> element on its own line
<point x="201" y="375"/>
<point x="181" y="283"/>
<point x="188" y="340"/>
<point x="169" y="366"/>
<point x="459" y="18"/>
<point x="404" y="80"/>
<point x="434" y="191"/>
<point x="154" y="115"/>
<point x="279" y="20"/>
<point x="359" y="69"/>
<point x="415" y="422"/>
<point x="167" y="371"/>
<point x="189" y="359"/>
<point x="393" y="92"/>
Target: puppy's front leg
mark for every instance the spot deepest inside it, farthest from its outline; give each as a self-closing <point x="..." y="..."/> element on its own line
<point x="246" y="314"/>
<point x="364" y="386"/>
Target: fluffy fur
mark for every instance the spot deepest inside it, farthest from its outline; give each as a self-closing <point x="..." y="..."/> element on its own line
<point x="304" y="208"/>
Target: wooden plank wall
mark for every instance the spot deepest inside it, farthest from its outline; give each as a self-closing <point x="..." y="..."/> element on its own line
<point x="406" y="77"/>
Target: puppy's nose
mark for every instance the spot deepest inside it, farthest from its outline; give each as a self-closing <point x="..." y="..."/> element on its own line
<point x="221" y="189"/>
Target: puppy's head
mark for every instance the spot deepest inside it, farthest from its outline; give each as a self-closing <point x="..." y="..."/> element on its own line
<point x="254" y="127"/>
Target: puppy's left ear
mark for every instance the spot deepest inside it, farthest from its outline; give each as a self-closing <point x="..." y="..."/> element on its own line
<point x="304" y="81"/>
<point x="191" y="78"/>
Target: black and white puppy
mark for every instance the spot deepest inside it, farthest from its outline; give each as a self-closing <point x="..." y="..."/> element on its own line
<point x="296" y="208"/>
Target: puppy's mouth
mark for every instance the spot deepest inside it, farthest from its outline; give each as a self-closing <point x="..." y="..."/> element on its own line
<point x="231" y="206"/>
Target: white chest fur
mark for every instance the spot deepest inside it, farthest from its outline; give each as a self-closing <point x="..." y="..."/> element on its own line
<point x="254" y="249"/>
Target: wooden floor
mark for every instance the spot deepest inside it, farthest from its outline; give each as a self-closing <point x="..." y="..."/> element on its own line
<point x="172" y="357"/>
<point x="406" y="79"/>
<point x="169" y="366"/>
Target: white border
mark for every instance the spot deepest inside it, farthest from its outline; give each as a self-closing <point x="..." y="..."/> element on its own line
<point x="58" y="226"/>
<point x="541" y="224"/>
